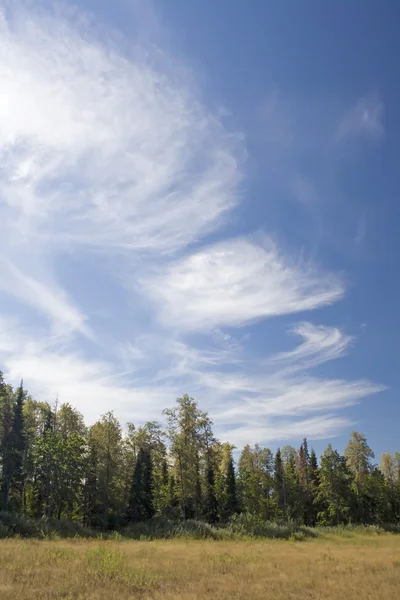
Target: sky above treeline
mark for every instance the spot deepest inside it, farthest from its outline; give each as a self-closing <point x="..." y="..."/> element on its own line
<point x="202" y="197"/>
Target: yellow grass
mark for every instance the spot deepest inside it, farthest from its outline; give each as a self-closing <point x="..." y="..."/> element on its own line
<point x="346" y="567"/>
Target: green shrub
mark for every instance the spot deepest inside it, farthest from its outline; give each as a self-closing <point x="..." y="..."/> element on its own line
<point x="250" y="525"/>
<point x="12" y="525"/>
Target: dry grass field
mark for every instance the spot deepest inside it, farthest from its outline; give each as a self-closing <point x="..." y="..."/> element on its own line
<point x="336" y="567"/>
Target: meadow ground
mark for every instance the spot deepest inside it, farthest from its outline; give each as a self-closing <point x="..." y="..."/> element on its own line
<point x="349" y="566"/>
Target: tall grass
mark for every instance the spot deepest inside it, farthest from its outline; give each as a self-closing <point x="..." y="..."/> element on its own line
<point x="350" y="566"/>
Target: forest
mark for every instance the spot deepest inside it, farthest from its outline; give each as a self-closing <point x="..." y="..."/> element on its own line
<point x="106" y="476"/>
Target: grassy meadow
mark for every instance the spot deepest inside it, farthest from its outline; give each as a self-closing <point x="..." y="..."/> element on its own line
<point x="333" y="566"/>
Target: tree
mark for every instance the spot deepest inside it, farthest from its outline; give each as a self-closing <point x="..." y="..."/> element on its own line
<point x="69" y="420"/>
<point x="279" y="484"/>
<point x="52" y="465"/>
<point x="304" y="463"/>
<point x="359" y="461"/>
<point x="307" y="483"/>
<point x="58" y="474"/>
<point x="12" y="445"/>
<point x="313" y="483"/>
<point x="105" y="489"/>
<point x="210" y="503"/>
<point x="334" y="494"/>
<point x="228" y="498"/>
<point x="255" y="480"/>
<point x="189" y="431"/>
<point x="390" y="469"/>
<point x="293" y="491"/>
<point x="18" y="447"/>
<point x="6" y="442"/>
<point x="140" y="507"/>
<point x="151" y="437"/>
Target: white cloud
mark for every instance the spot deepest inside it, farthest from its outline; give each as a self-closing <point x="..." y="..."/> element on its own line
<point x="284" y="396"/>
<point x="107" y="151"/>
<point x="365" y="119"/>
<point x="316" y="428"/>
<point x="48" y="298"/>
<point x="235" y="282"/>
<point x="320" y="345"/>
<point x="51" y="368"/>
<point x="101" y="150"/>
<point x="248" y="402"/>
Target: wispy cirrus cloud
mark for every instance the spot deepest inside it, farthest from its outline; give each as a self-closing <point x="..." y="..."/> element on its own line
<point x="103" y="148"/>
<point x="235" y="282"/>
<point x="109" y="154"/>
<point x="250" y="398"/>
<point x="47" y="298"/>
<point x="365" y="119"/>
<point x="320" y="344"/>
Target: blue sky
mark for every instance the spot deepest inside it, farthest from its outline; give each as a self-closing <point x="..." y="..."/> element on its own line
<point x="202" y="197"/>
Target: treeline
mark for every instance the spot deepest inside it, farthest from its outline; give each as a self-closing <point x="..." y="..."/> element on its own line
<point x="52" y="465"/>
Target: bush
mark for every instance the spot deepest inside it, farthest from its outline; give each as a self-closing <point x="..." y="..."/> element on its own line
<point x="161" y="528"/>
<point x="12" y="525"/>
<point x="238" y="527"/>
<point x="250" y="525"/>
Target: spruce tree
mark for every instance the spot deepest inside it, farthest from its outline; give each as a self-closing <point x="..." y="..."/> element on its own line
<point x="172" y="498"/>
<point x="140" y="507"/>
<point x="6" y="442"/>
<point x="211" y="504"/>
<point x="306" y="484"/>
<point x="231" y="500"/>
<point x="18" y="443"/>
<point x="279" y="482"/>
<point x="314" y="482"/>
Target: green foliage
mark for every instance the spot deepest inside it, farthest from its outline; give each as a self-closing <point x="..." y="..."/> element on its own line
<point x="17" y="525"/>
<point x="230" y="504"/>
<point x="190" y="437"/>
<point x="104" y="473"/>
<point x="254" y="526"/>
<point x="279" y="484"/>
<point x="140" y="506"/>
<point x="210" y="512"/>
<point x="334" y="491"/>
<point x="255" y="480"/>
<point x="68" y="479"/>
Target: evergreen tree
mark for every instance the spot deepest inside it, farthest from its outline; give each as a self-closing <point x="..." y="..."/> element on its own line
<point x="313" y="482"/>
<point x="52" y="465"/>
<point x="211" y="504"/>
<point x="304" y="464"/>
<point x="6" y="442"/>
<point x="195" y="504"/>
<point x="294" y="496"/>
<point x="18" y="447"/>
<point x="140" y="507"/>
<point x="172" y="496"/>
<point x="279" y="483"/>
<point x="231" y="505"/>
<point x="306" y="484"/>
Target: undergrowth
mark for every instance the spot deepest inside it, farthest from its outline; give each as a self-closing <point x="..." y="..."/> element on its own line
<point x="237" y="528"/>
